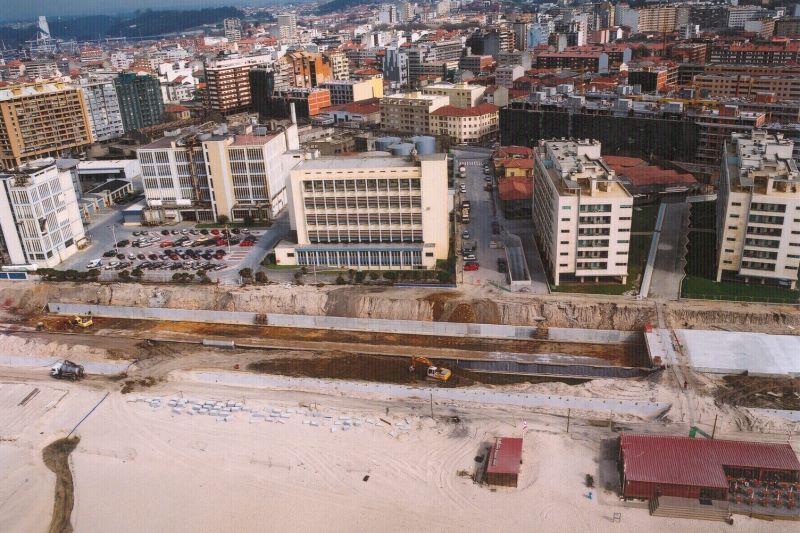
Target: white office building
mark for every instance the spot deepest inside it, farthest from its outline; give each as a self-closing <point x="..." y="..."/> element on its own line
<point x="102" y="106"/>
<point x="40" y="220"/>
<point x="379" y="212"/>
<point x="203" y="173"/>
<point x="758" y="210"/>
<point x="581" y="212"/>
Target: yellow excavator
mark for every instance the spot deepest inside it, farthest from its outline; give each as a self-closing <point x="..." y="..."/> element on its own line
<point x="433" y="372"/>
<point x="82" y="322"/>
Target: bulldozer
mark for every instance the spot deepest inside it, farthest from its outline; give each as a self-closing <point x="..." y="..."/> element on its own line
<point x="433" y="372"/>
<point x="82" y="322"/>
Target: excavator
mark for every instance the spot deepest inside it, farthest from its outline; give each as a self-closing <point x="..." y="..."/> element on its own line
<point x="433" y="372"/>
<point x="82" y="322"/>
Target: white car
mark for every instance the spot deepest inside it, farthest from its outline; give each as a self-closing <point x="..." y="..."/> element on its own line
<point x="463" y="189"/>
<point x="111" y="265"/>
<point x="465" y="234"/>
<point x="94" y="263"/>
<point x="469" y="257"/>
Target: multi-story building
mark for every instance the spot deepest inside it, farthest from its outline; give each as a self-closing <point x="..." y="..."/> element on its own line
<point x="395" y="66"/>
<point x="233" y="30"/>
<point x="368" y="213"/>
<point x="201" y="174"/>
<point x="758" y="210"/>
<point x="306" y="69"/>
<point x="476" y="64"/>
<point x="425" y="53"/>
<point x="410" y="112"/>
<point x="727" y="85"/>
<point x="140" y="100"/>
<point x="41" y="69"/>
<point x="41" y="120"/>
<point x="708" y="16"/>
<point x="756" y="54"/>
<point x="787" y="27"/>
<point x="308" y="102"/>
<point x="505" y="75"/>
<point x="653" y="78"/>
<point x="40" y="220"/>
<point x="102" y="105"/>
<point x="739" y="15"/>
<point x="465" y="125"/>
<point x="581" y="212"/>
<point x="340" y="65"/>
<point x="228" y="82"/>
<point x="460" y="94"/>
<point x="349" y="91"/>
<point x="716" y="126"/>
<point x="287" y="25"/>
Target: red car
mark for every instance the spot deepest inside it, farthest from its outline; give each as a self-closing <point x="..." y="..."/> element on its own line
<point x="222" y="242"/>
<point x="215" y="232"/>
<point x="166" y="244"/>
<point x="246" y="243"/>
<point x="471" y="266"/>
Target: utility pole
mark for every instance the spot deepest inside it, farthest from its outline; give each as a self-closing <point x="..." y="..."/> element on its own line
<point x="714" y="429"/>
<point x="114" y="236"/>
<point x="568" y="413"/>
<point x="431" y="405"/>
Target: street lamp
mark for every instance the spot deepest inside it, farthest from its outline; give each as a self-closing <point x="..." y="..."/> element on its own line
<point x="114" y="236"/>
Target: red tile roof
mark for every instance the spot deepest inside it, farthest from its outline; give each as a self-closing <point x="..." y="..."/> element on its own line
<point x="453" y="111"/>
<point x="698" y="462"/>
<point x="505" y="456"/>
<point x="515" y="188"/>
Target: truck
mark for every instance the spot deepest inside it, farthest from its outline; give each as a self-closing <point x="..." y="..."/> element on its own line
<point x="67" y="370"/>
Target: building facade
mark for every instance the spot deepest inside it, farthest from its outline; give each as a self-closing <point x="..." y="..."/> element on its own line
<point x="41" y="120"/>
<point x="368" y="213"/>
<point x="465" y="125"/>
<point x="140" y="100"/>
<point x="287" y="25"/>
<point x="39" y="216"/>
<point x="410" y="112"/>
<point x="233" y="30"/>
<point x="349" y="91"/>
<point x="228" y="83"/>
<point x="102" y="105"/>
<point x="205" y="173"/>
<point x="758" y="210"/>
<point x="460" y="94"/>
<point x="581" y="213"/>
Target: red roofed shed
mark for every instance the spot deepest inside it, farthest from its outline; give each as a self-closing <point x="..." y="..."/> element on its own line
<point x="504" y="460"/>
<point x="654" y="465"/>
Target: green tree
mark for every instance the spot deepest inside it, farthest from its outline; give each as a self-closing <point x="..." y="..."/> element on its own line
<point x="374" y="275"/>
<point x="125" y="275"/>
<point x="246" y="273"/>
<point x="177" y="277"/>
<point x="390" y="275"/>
<point x="248" y="220"/>
<point x="222" y="219"/>
<point x="261" y="277"/>
<point x="137" y="273"/>
<point x="340" y="280"/>
<point x="360" y="275"/>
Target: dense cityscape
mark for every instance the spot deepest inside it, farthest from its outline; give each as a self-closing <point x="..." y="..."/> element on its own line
<point x="398" y="266"/>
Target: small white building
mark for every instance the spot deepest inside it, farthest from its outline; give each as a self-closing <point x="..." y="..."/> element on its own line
<point x="39" y="216"/>
<point x="581" y="212"/>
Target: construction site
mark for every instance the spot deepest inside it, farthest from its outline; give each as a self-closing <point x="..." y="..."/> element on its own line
<point x="357" y="403"/>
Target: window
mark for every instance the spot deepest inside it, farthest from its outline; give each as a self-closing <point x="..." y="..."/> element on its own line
<point x="564" y="242"/>
<point x="736" y="204"/>
<point x="564" y="253"/>
<point x="731" y="239"/>
<point x="290" y="254"/>
<point x="732" y="227"/>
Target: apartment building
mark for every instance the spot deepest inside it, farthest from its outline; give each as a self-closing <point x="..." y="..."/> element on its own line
<point x="349" y="91"/>
<point x="40" y="220"/>
<point x="758" y="210"/>
<point x="228" y="82"/>
<point x="460" y="94"/>
<point x="739" y="15"/>
<point x="41" y="120"/>
<point x="581" y="212"/>
<point x="756" y="54"/>
<point x="206" y="172"/>
<point x="410" y="112"/>
<point x="465" y="125"/>
<point x="782" y="87"/>
<point x="340" y="65"/>
<point x="364" y="213"/>
<point x="287" y="25"/>
<point x="715" y="127"/>
<point x="102" y="105"/>
<point x="140" y="101"/>
<point x="233" y="29"/>
<point x="787" y="27"/>
<point x="505" y="75"/>
<point x="476" y="64"/>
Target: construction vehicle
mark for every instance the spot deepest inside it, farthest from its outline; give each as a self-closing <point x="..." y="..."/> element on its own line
<point x="66" y="370"/>
<point x="82" y="322"/>
<point x="433" y="372"/>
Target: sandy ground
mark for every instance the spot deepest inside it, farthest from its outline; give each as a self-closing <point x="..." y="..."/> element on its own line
<point x="140" y="468"/>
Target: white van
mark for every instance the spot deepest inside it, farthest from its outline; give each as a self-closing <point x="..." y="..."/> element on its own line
<point x="94" y="263"/>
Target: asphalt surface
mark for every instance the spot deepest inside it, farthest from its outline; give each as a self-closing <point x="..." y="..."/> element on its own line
<point x="668" y="265"/>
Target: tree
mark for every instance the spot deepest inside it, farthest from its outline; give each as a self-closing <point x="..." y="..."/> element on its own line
<point x="360" y="275"/>
<point x="351" y="273"/>
<point x="125" y="275"/>
<point x="374" y="275"/>
<point x="391" y="276"/>
<point x="71" y="274"/>
<point x="340" y="280"/>
<point x="137" y="273"/>
<point x="177" y="277"/>
<point x="246" y="273"/>
<point x="261" y="277"/>
<point x="248" y="220"/>
<point x="93" y="273"/>
<point x="444" y="277"/>
<point x="222" y="219"/>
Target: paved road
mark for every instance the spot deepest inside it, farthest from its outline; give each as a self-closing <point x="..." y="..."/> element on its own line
<point x="668" y="265"/>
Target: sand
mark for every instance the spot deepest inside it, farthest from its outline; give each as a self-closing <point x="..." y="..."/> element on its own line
<point x="140" y="468"/>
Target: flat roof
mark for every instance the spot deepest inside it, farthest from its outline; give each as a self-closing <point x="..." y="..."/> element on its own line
<point x="505" y="456"/>
<point x="355" y="162"/>
<point x="698" y="462"/>
<point x="110" y="185"/>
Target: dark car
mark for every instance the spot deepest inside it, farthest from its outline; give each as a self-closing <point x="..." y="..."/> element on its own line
<point x="120" y="256"/>
<point x="502" y="265"/>
<point x="203" y="232"/>
<point x="164" y="232"/>
<point x="123" y="244"/>
<point x="140" y="256"/>
<point x="110" y="253"/>
<point x="152" y="257"/>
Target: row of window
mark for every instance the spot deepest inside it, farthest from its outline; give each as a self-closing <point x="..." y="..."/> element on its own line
<point x="361" y="258"/>
<point x="382" y="219"/>
<point x="362" y="185"/>
<point x="364" y="202"/>
<point x="370" y="236"/>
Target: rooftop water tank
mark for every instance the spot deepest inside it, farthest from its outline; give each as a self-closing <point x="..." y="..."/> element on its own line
<point x="401" y="149"/>
<point x="425" y="144"/>
<point x="383" y="143"/>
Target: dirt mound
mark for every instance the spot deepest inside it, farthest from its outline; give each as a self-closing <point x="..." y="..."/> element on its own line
<point x="768" y="393"/>
<point x="56" y="458"/>
<point x="350" y="366"/>
<point x="438" y="300"/>
<point x="463" y="313"/>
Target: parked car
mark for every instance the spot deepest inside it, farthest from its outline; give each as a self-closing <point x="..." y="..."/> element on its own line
<point x="465" y="234"/>
<point x="120" y="256"/>
<point x="123" y="243"/>
<point x="164" y="232"/>
<point x="110" y="253"/>
<point x="469" y="257"/>
<point x="215" y="232"/>
<point x="246" y="243"/>
<point x="471" y="266"/>
<point x="502" y="265"/>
